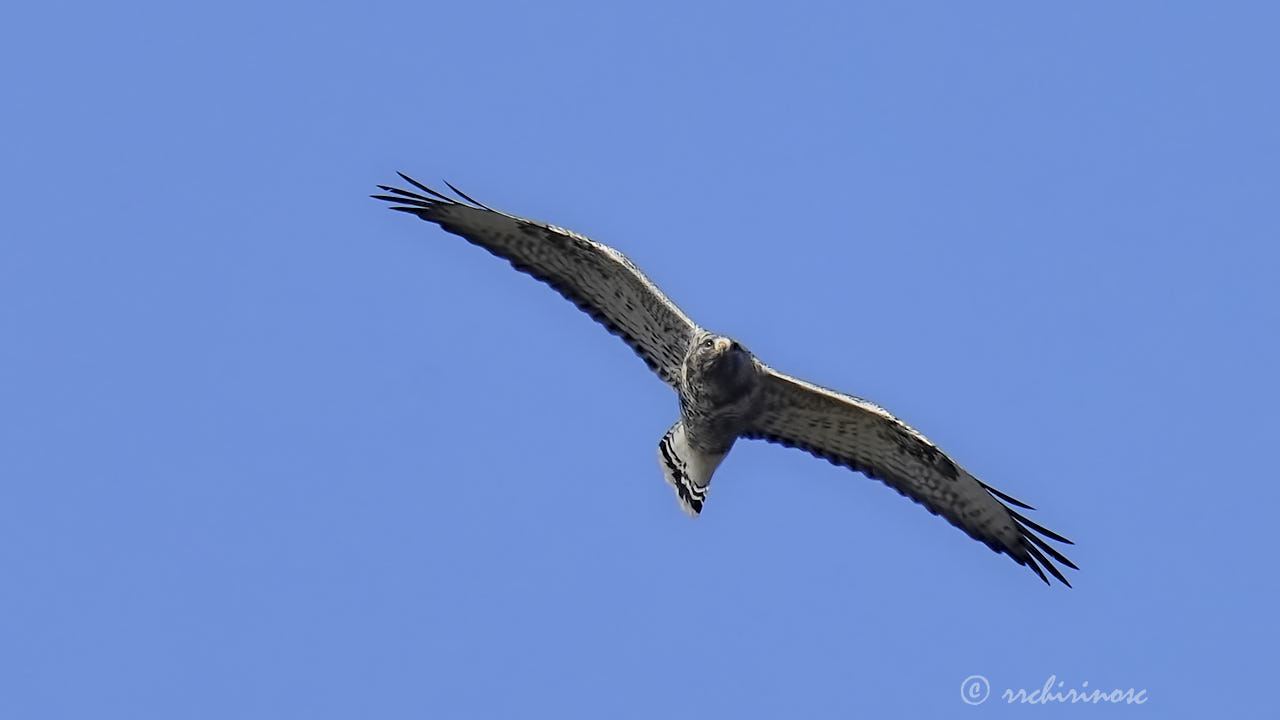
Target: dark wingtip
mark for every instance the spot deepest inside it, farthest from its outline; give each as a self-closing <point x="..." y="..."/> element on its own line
<point x="413" y="182"/>
<point x="410" y="200"/>
<point x="1040" y="529"/>
<point x="424" y="188"/>
<point x="467" y="197"/>
<point x="1047" y="565"/>
<point x="1031" y="563"/>
<point x="1049" y="549"/>
<point x="1007" y="498"/>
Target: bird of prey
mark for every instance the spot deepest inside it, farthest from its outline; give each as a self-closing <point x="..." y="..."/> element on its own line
<point x="726" y="393"/>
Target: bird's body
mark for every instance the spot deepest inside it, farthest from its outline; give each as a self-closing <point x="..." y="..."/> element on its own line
<point x="726" y="393"/>
<point x="721" y="394"/>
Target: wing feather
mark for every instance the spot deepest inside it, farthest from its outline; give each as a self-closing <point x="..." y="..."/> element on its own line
<point x="848" y="431"/>
<point x="601" y="281"/>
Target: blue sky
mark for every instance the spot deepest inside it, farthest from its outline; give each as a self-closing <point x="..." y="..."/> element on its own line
<point x="269" y="450"/>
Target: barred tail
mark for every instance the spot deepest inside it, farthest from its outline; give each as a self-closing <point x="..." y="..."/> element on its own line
<point x="687" y="471"/>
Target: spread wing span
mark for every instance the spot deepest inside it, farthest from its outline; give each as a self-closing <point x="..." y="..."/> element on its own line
<point x="595" y="277"/>
<point x="848" y="431"/>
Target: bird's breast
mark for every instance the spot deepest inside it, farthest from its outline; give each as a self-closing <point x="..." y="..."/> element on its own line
<point x="718" y="403"/>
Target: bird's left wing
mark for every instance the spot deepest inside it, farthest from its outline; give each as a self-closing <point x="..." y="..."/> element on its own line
<point x="595" y="277"/>
<point x="848" y="431"/>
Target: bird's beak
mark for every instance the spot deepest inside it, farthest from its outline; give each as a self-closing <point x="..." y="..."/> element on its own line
<point x="722" y="345"/>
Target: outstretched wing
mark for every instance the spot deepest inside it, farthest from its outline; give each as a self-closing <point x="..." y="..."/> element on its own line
<point x="595" y="277"/>
<point x="860" y="435"/>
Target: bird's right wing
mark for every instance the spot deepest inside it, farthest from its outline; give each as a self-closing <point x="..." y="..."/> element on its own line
<point x="595" y="277"/>
<point x="849" y="431"/>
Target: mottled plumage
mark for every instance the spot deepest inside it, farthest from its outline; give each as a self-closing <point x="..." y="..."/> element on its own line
<point x="726" y="393"/>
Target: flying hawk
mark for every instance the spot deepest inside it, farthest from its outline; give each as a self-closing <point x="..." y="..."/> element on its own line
<point x="726" y="393"/>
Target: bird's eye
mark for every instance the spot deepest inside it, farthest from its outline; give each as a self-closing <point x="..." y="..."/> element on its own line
<point x="708" y="343"/>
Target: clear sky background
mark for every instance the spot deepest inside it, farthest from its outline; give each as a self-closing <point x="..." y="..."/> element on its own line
<point x="268" y="450"/>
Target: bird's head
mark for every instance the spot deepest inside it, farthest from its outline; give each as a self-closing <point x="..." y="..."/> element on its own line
<point x="719" y="359"/>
